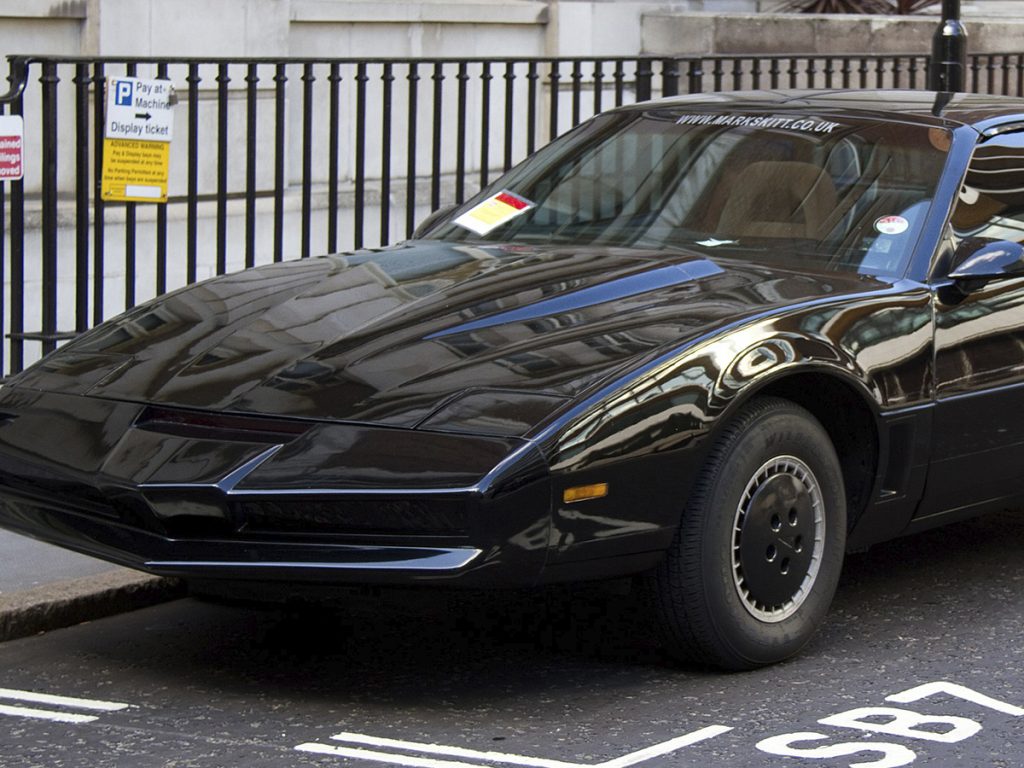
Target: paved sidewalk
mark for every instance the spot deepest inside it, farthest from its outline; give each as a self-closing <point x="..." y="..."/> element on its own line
<point x="43" y="587"/>
<point x="27" y="563"/>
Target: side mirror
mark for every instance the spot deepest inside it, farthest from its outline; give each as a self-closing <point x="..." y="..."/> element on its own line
<point x="981" y="259"/>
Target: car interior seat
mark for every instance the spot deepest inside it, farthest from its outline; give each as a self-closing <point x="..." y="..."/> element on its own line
<point x="779" y="199"/>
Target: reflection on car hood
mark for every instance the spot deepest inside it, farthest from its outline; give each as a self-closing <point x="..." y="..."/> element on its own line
<point x="424" y="333"/>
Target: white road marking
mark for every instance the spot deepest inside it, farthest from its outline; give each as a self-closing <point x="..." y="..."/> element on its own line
<point x="666" y="746"/>
<point x="61" y="701"/>
<point x="957" y="691"/>
<point x="418" y="761"/>
<point x="438" y="749"/>
<point x="382" y="757"/>
<point x="42" y="714"/>
<point x="89" y="705"/>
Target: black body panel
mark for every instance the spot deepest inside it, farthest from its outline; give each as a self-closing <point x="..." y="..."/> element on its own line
<point x="226" y="497"/>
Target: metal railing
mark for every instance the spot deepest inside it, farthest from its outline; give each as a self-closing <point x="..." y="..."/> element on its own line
<point x="281" y="158"/>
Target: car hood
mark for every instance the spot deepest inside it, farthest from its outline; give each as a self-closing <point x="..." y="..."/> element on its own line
<point x="425" y="334"/>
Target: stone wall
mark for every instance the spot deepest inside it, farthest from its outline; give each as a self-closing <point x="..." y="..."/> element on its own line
<point x="342" y="28"/>
<point x="705" y="33"/>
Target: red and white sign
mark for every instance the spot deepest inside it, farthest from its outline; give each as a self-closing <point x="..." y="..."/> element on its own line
<point x="12" y="147"/>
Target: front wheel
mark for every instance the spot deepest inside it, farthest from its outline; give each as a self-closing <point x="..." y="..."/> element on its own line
<point x="756" y="559"/>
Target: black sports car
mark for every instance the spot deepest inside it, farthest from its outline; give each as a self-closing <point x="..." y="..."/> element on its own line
<point x="714" y="341"/>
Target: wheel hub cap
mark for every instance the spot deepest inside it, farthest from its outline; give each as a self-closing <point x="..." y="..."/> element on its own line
<point x="778" y="539"/>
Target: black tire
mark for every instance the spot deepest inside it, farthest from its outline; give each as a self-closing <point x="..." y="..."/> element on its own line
<point x="756" y="560"/>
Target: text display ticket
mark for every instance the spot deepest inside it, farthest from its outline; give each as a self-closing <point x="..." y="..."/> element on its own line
<point x="493" y="212"/>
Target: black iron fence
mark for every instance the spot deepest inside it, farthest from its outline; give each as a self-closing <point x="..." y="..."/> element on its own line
<point x="280" y="158"/>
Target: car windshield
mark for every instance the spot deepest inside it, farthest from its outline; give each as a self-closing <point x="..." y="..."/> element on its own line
<point x="798" y="190"/>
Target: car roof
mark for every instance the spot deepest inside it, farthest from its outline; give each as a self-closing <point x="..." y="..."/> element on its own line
<point x="980" y="111"/>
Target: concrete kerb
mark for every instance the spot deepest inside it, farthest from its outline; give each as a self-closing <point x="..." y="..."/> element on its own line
<point x="73" y="601"/>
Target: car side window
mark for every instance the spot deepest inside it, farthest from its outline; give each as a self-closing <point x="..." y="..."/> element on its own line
<point x="991" y="199"/>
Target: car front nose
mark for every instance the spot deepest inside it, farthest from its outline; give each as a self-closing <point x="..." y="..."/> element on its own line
<point x="217" y="496"/>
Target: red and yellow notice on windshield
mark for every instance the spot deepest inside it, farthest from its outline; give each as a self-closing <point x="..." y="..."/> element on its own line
<point x="493" y="212"/>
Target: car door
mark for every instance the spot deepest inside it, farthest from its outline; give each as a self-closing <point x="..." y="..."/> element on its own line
<point x="978" y="449"/>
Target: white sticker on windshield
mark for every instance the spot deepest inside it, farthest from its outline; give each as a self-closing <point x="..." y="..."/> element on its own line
<point x="969" y="195"/>
<point x="892" y="225"/>
<point x="806" y="125"/>
<point x="493" y="212"/>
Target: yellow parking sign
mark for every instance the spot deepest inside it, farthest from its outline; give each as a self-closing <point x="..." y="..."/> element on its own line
<point x="135" y="171"/>
<point x="137" y="140"/>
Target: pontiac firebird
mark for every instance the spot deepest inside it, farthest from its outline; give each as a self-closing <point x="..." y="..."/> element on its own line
<point x="712" y="342"/>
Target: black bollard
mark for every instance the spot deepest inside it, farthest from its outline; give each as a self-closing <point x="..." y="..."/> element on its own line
<point x="949" y="51"/>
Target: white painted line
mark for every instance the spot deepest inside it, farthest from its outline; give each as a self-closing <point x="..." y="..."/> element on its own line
<point x="957" y="691"/>
<point x="666" y="746"/>
<point x="382" y="757"/>
<point x="480" y="756"/>
<point x="437" y="749"/>
<point x="62" y="701"/>
<point x="42" y="714"/>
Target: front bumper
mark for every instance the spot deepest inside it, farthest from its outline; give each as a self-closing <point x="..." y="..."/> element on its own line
<point x="226" y="558"/>
<point x="221" y="498"/>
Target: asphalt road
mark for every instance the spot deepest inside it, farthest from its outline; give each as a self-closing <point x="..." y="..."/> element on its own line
<point x="922" y="661"/>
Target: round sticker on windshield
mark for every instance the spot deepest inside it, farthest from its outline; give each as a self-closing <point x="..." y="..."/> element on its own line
<point x="892" y="225"/>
